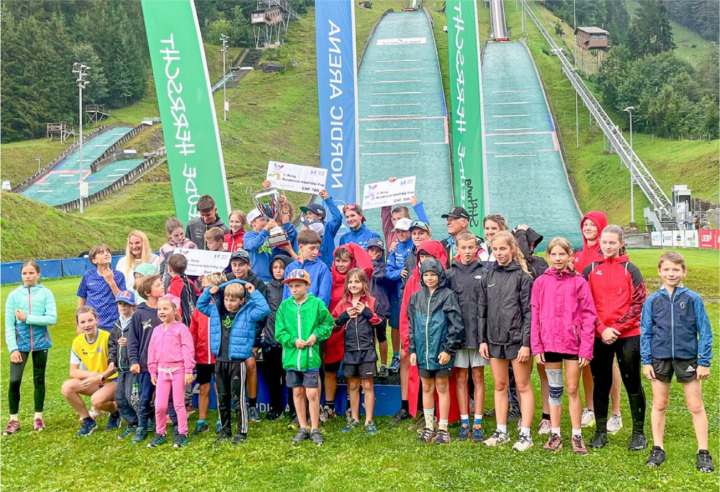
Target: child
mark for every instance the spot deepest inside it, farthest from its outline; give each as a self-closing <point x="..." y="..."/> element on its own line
<point x="308" y="259"/>
<point x="96" y="378"/>
<point x="204" y="358"/>
<point x="435" y="334"/>
<point x="255" y="242"/>
<point x="355" y="315"/>
<point x="214" y="238"/>
<point x="236" y="309"/>
<point x="29" y="312"/>
<point x="504" y="333"/>
<point x="331" y="226"/>
<point x="208" y="219"/>
<point x="619" y="292"/>
<point x="395" y="265"/>
<point x="98" y="288"/>
<point x="563" y="327"/>
<point x="176" y="239"/>
<point x="379" y="289"/>
<point x="233" y="240"/>
<point x="125" y="398"/>
<point x="420" y="232"/>
<point x="676" y="337"/>
<point x="271" y="349"/>
<point x="464" y="279"/>
<point x="301" y="322"/>
<point x="181" y="287"/>
<point x="171" y="360"/>
<point x="347" y="257"/>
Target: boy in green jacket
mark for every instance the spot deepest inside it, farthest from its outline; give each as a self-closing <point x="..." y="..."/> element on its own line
<point x="301" y="322"/>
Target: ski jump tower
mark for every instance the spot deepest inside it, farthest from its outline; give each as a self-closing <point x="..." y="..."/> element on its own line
<point x="270" y="20"/>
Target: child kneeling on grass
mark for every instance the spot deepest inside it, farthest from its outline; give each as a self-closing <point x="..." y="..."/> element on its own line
<point x="436" y="332"/>
<point x="673" y="319"/>
<point x="90" y="349"/>
<point x="301" y="322"/>
<point x="171" y="360"/>
<point x="355" y="315"/>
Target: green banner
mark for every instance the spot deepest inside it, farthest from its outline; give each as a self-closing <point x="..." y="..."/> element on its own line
<point x="465" y="119"/>
<point x="186" y="106"/>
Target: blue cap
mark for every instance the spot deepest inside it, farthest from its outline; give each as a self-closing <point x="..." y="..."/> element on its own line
<point x="315" y="208"/>
<point x="125" y="296"/>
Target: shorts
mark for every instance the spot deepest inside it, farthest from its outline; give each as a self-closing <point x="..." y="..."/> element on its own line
<point x="506" y="352"/>
<point x="435" y="373"/>
<point x="554" y="357"/>
<point x="381" y="331"/>
<point x="394" y="311"/>
<point x="306" y="379"/>
<point x="468" y="358"/>
<point x="204" y="373"/>
<point x="685" y="370"/>
<point x="365" y="370"/>
<point x="332" y="366"/>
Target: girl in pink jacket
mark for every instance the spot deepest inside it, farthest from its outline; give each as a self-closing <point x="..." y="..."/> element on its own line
<point x="563" y="330"/>
<point x="171" y="360"/>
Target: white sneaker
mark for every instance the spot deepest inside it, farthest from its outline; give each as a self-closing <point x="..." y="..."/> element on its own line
<point x="614" y="424"/>
<point x="497" y="439"/>
<point x="523" y="443"/>
<point x="544" y="427"/>
<point x="588" y="418"/>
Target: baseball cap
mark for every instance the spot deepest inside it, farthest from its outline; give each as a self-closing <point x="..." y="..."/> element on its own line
<point x="125" y="296"/>
<point x="316" y="225"/>
<point x="146" y="269"/>
<point x="297" y="275"/>
<point x="253" y="214"/>
<point x="174" y="299"/>
<point x="403" y="224"/>
<point x="240" y="254"/>
<point x="377" y="242"/>
<point x="419" y="224"/>
<point x="456" y="213"/>
<point x="315" y="208"/>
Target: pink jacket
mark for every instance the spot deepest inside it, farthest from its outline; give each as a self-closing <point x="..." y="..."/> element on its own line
<point x="563" y="314"/>
<point x="171" y="347"/>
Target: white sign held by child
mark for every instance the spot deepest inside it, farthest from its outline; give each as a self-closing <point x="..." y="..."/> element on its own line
<point x="387" y="194"/>
<point x="291" y="177"/>
<point x="201" y="262"/>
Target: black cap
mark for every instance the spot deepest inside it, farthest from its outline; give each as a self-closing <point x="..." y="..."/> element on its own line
<point x="318" y="210"/>
<point x="457" y="213"/>
<point x="240" y="254"/>
<point x="377" y="242"/>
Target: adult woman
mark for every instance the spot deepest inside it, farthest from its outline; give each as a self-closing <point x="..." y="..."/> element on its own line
<point x="137" y="252"/>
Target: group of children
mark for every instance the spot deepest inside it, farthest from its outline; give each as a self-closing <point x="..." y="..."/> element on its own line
<point x="454" y="307"/>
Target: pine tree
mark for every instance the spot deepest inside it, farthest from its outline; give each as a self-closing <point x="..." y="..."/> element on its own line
<point x="650" y="31"/>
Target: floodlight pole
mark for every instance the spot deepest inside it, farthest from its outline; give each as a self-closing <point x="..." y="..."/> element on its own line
<point x="81" y="71"/>
<point x="224" y="49"/>
<point x="38" y="161"/>
<point x="630" y="110"/>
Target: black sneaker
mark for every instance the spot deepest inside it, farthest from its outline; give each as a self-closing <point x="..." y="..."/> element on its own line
<point x="657" y="457"/>
<point x="426" y="435"/>
<point x="599" y="440"/>
<point x="158" y="440"/>
<point x="442" y="437"/>
<point x="704" y="461"/>
<point x="180" y="441"/>
<point x="302" y="435"/>
<point x="513" y="414"/>
<point x="638" y="441"/>
<point x="317" y="437"/>
<point x="273" y="415"/>
<point x="239" y="438"/>
<point x="400" y="416"/>
<point x="222" y="437"/>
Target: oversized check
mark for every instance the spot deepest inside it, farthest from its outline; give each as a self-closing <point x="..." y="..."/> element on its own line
<point x="292" y="177"/>
<point x="386" y="193"/>
<point x="201" y="262"/>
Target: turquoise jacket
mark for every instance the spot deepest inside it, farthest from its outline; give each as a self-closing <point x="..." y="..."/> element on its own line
<point x="31" y="335"/>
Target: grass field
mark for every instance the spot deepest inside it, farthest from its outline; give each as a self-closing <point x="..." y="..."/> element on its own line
<point x="57" y="460"/>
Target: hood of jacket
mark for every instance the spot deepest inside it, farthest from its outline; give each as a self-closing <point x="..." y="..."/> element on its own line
<point x="284" y="258"/>
<point x="600" y="220"/>
<point x="534" y="238"/>
<point x="433" y="265"/>
<point x="435" y="248"/>
<point x="355" y="252"/>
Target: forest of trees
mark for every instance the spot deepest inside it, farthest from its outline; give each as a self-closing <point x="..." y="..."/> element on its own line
<point x="700" y="16"/>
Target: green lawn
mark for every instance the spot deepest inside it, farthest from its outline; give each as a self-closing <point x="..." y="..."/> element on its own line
<point x="57" y="460"/>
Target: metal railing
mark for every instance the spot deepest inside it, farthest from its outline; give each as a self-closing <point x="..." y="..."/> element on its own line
<point x="658" y="199"/>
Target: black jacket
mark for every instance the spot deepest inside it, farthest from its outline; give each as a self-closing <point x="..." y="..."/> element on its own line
<point x="464" y="280"/>
<point x="380" y="287"/>
<point x="273" y="297"/>
<point x="528" y="240"/>
<point x="448" y="248"/>
<point x="359" y="331"/>
<point x="197" y="228"/>
<point x="410" y="262"/>
<point x="144" y="320"/>
<point x="116" y="354"/>
<point x="504" y="306"/>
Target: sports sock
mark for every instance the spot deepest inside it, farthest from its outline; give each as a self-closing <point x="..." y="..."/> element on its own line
<point x="14" y="417"/>
<point x="330" y="405"/>
<point x="429" y="414"/>
<point x="525" y="431"/>
<point x="443" y="424"/>
<point x="555" y="430"/>
<point x="502" y="428"/>
<point x="252" y="401"/>
<point x="405" y="405"/>
<point x="38" y="415"/>
<point x="465" y="420"/>
<point x="396" y="354"/>
<point x="576" y="433"/>
<point x="477" y="420"/>
<point x="545" y="416"/>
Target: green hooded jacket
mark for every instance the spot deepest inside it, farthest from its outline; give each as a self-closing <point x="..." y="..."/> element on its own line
<point x="295" y="321"/>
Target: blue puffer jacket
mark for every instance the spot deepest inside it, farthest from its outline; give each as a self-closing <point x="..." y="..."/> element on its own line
<point x="242" y="333"/>
<point x="31" y="335"/>
<point x="435" y="321"/>
<point x="670" y="327"/>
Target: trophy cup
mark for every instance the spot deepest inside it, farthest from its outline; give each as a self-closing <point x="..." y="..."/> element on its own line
<point x="268" y="203"/>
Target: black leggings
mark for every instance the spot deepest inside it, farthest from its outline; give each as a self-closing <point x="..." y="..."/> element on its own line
<point x="274" y="377"/>
<point x="16" y="372"/>
<point x="628" y="355"/>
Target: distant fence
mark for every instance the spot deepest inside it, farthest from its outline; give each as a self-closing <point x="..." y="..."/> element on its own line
<point x="68" y="267"/>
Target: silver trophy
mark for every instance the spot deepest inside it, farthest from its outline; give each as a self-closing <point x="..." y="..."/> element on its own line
<point x="268" y="203"/>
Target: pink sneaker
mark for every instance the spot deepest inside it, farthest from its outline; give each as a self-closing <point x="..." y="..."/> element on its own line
<point x="38" y="424"/>
<point x="12" y="427"/>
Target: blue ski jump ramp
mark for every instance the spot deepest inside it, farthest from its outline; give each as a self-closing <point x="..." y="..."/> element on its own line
<point x="402" y="115"/>
<point x="526" y="180"/>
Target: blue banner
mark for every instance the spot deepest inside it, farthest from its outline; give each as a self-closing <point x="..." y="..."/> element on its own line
<point x="337" y="91"/>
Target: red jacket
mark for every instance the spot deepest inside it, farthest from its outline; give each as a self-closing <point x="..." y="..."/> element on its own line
<point x="583" y="257"/>
<point x="234" y="242"/>
<point x="200" y="331"/>
<point x="618" y="290"/>
<point x="335" y="345"/>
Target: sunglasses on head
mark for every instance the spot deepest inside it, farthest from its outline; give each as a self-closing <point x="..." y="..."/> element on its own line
<point x="351" y="206"/>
